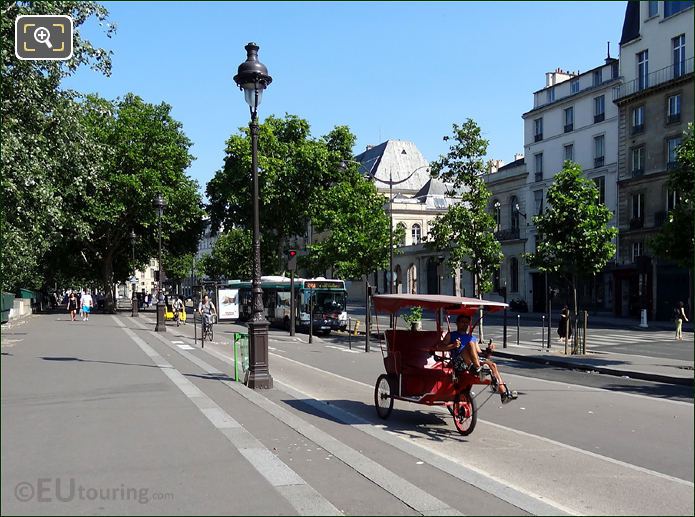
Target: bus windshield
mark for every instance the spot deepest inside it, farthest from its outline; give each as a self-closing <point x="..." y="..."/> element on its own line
<point x="327" y="301"/>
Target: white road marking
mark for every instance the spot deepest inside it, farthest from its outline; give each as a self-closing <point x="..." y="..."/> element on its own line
<point x="185" y="347"/>
<point x="303" y="498"/>
<point x="178" y="342"/>
<point x="342" y="349"/>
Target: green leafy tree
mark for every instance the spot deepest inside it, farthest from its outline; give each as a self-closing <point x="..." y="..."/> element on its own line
<point x="48" y="156"/>
<point x="230" y="257"/>
<point x="676" y="240"/>
<point x="293" y="168"/>
<point x="466" y="231"/>
<point x="356" y="228"/>
<point x="574" y="236"/>
<point x="144" y="151"/>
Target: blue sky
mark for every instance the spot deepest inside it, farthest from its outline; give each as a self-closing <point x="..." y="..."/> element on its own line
<point x="388" y="70"/>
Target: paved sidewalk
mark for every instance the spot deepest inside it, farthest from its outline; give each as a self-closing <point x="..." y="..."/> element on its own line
<point x="658" y="369"/>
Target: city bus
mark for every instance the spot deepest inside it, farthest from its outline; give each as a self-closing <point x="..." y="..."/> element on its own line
<point x="329" y="302"/>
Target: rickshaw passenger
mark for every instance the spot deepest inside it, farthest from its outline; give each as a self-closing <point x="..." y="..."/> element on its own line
<point x="468" y="352"/>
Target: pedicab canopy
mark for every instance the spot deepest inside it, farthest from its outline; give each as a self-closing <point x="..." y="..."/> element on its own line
<point x="392" y="303"/>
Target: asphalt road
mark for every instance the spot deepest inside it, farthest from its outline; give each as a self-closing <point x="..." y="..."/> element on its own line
<point x="111" y="404"/>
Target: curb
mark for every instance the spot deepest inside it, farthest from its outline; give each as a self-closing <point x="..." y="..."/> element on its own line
<point x="647" y="376"/>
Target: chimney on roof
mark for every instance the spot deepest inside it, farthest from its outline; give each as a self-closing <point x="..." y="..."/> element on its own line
<point x="369" y="146"/>
<point x="518" y="156"/>
<point x="608" y="53"/>
<point x="494" y="165"/>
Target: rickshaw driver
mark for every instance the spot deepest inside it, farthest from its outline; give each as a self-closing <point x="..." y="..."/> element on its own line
<point x="468" y="352"/>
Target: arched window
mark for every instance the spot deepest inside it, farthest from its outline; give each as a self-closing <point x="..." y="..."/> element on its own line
<point x="514" y="274"/>
<point x="514" y="212"/>
<point x="497" y="214"/>
<point x="416" y="233"/>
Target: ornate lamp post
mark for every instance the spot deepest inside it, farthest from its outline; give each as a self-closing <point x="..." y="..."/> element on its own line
<point x="159" y="203"/>
<point x="253" y="78"/>
<point x="134" y="311"/>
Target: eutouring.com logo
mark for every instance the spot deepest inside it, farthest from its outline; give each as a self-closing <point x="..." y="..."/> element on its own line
<point x="50" y="490"/>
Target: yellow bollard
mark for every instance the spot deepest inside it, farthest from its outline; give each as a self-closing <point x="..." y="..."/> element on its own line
<point x="357" y="325"/>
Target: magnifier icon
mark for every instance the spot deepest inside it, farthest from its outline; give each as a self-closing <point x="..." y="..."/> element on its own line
<point x="42" y="35"/>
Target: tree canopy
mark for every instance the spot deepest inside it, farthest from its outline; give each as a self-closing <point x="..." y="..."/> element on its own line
<point x="466" y="231"/>
<point x="676" y="240"/>
<point x="573" y="233"/>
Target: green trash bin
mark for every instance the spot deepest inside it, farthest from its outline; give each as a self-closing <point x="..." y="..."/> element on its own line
<point x="5" y="306"/>
<point x="26" y="294"/>
<point x="241" y="355"/>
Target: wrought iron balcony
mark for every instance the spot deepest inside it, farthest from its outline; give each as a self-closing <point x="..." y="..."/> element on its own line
<point x="599" y="161"/>
<point x="636" y="223"/>
<point x="654" y="79"/>
<point x="507" y="235"/>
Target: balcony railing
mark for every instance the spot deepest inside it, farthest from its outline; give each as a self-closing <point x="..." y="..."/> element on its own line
<point x="636" y="223"/>
<point x="598" y="162"/>
<point x="538" y="137"/>
<point x="637" y="129"/>
<point x="654" y="79"/>
<point x="671" y="165"/>
<point x="637" y="172"/>
<point x="569" y="128"/>
<point x="507" y="235"/>
<point x="660" y="218"/>
<point x="676" y="117"/>
<point x="539" y="176"/>
<point x="599" y="118"/>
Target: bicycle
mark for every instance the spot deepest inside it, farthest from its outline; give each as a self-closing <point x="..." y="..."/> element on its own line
<point x="207" y="330"/>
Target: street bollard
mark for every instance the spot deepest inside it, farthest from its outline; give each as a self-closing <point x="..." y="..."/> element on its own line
<point x="543" y="333"/>
<point x="357" y="325"/>
<point x="586" y="322"/>
<point x="349" y="334"/>
<point x="195" y="330"/>
<point x="518" y="322"/>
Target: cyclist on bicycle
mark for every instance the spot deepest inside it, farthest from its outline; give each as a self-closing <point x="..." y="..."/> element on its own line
<point x="178" y="308"/>
<point x="206" y="309"/>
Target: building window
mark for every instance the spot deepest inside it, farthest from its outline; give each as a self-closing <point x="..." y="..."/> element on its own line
<point x="671" y="8"/>
<point x="615" y="70"/>
<point x="538" y="199"/>
<point x="539" y="166"/>
<point x="550" y="95"/>
<point x="638" y="155"/>
<point x="599" y="150"/>
<point x="643" y="69"/>
<point x="636" y="250"/>
<point x="673" y="113"/>
<point x="569" y="152"/>
<point x="514" y="212"/>
<point x="538" y="129"/>
<point x="601" y="186"/>
<point x="672" y="199"/>
<point x="598" y="77"/>
<point x="637" y="206"/>
<point x="497" y="213"/>
<point x="569" y="119"/>
<point x="637" y="119"/>
<point x="574" y="85"/>
<point x="653" y="8"/>
<point x="599" y="108"/>
<point x="671" y="146"/>
<point x="678" y="55"/>
<point x="514" y="274"/>
<point x="416" y="233"/>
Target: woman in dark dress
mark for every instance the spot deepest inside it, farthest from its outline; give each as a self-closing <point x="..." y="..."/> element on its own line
<point x="72" y="306"/>
<point x="565" y="324"/>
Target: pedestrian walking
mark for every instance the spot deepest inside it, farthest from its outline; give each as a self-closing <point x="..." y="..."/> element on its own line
<point x="87" y="304"/>
<point x="679" y="316"/>
<point x="564" y="326"/>
<point x="72" y="306"/>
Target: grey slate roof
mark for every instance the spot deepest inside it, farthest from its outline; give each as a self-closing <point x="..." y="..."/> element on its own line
<point x="631" y="23"/>
<point x="396" y="159"/>
<point x="515" y="163"/>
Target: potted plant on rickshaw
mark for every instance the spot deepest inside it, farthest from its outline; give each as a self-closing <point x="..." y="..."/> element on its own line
<point x="414" y="318"/>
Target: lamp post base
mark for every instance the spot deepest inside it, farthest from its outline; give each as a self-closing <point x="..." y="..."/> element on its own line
<point x="258" y="376"/>
<point x="161" y="325"/>
<point x="134" y="310"/>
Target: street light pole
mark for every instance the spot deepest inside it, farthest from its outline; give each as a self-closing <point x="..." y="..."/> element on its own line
<point x="253" y="78"/>
<point x="134" y="309"/>
<point x="160" y="204"/>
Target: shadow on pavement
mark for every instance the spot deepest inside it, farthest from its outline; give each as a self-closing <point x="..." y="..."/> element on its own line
<point x="77" y="359"/>
<point x="413" y="423"/>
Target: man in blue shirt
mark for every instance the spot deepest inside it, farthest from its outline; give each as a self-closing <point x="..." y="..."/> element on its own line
<point x="468" y="352"/>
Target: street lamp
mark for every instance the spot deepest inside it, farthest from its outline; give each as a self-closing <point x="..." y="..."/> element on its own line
<point x="159" y="203"/>
<point x="253" y="78"/>
<point x="134" y="310"/>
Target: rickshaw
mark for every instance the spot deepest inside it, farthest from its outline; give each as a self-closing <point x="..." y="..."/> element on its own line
<point x="412" y="372"/>
<point x="170" y="316"/>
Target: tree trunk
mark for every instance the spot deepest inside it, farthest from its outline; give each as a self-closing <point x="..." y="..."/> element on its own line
<point x="107" y="278"/>
<point x="574" y="319"/>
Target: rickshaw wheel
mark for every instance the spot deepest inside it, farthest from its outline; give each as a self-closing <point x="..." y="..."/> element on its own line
<point x="383" y="396"/>
<point x="465" y="411"/>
